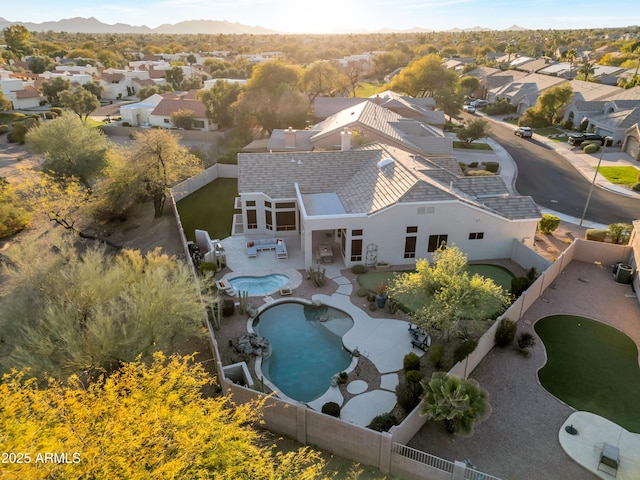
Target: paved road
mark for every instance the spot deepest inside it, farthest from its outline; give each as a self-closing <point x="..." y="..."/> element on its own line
<point x="556" y="185"/>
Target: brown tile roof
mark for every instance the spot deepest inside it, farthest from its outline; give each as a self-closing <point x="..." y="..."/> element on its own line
<point x="27" y="92"/>
<point x="168" y="106"/>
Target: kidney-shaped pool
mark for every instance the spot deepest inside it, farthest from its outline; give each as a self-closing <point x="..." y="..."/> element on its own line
<point x="306" y="347"/>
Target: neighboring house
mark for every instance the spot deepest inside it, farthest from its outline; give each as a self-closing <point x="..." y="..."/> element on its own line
<point x="524" y="92"/>
<point x="21" y="94"/>
<point x="157" y="110"/>
<point x="372" y="123"/>
<point x="113" y="84"/>
<point x="631" y="145"/>
<point x="380" y="204"/>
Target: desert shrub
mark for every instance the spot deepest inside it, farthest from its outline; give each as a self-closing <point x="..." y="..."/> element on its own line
<point x="412" y="376"/>
<point x="358" y="269"/>
<point x="491" y="167"/>
<point x="525" y="342"/>
<point x="463" y="166"/>
<point x="519" y="285"/>
<point x="228" y="307"/>
<point x="505" y="333"/>
<point x="382" y="423"/>
<point x="4" y="129"/>
<point x="463" y="350"/>
<point x="478" y="173"/>
<point x="636" y="187"/>
<point x="411" y="361"/>
<point x="500" y="108"/>
<point x="590" y="148"/>
<point x="331" y="408"/>
<point x="473" y="165"/>
<point x="408" y="395"/>
<point x="362" y="292"/>
<point x="56" y="110"/>
<point x="583" y="126"/>
<point x="620" y="233"/>
<point x="548" y="223"/>
<point x="436" y="356"/>
<point x="596" y="234"/>
<point x="18" y="132"/>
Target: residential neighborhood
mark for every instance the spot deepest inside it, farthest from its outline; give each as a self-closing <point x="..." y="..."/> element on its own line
<point x="387" y="246"/>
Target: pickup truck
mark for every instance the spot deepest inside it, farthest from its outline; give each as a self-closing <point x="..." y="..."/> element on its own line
<point x="579" y="139"/>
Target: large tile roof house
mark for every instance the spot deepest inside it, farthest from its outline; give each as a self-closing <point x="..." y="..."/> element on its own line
<point x="157" y="110"/>
<point x="380" y="203"/>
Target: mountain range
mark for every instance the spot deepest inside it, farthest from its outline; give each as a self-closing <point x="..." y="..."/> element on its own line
<point x="211" y="27"/>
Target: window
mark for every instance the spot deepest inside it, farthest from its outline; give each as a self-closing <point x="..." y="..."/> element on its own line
<point x="252" y="220"/>
<point x="267" y="204"/>
<point x="356" y="250"/>
<point x="410" y="247"/>
<point x="268" y="219"/>
<point x="250" y="203"/>
<point x="285" y="220"/>
<point x="476" y="236"/>
<point x="167" y="121"/>
<point x="286" y="205"/>
<point x="412" y="229"/>
<point x="436" y="241"/>
<point x="198" y="124"/>
<point x="356" y="233"/>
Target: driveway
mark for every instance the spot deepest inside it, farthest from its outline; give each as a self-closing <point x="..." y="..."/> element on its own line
<point x="520" y="438"/>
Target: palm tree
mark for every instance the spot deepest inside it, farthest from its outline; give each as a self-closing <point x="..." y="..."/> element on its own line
<point x="586" y="69"/>
<point x="459" y="402"/>
<point x="570" y="56"/>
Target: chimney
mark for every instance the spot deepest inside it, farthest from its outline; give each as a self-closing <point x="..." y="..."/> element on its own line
<point x="345" y="140"/>
<point x="289" y="138"/>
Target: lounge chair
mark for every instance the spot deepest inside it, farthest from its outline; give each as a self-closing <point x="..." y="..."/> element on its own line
<point x="423" y="343"/>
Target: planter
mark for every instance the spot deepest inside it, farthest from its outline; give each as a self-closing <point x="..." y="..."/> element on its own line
<point x="381" y="300"/>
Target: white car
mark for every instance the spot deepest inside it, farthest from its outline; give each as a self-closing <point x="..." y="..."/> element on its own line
<point x="469" y="108"/>
<point x="523" y="132"/>
<point x="479" y="103"/>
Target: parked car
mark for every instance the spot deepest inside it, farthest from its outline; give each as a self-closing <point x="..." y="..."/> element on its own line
<point x="479" y="103"/>
<point x="579" y="139"/>
<point x="523" y="132"/>
<point x="469" y="108"/>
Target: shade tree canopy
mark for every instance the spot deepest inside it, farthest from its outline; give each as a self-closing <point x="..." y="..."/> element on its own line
<point x="145" y="421"/>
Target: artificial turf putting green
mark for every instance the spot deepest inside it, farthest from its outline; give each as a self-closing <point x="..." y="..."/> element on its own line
<point x="592" y="367"/>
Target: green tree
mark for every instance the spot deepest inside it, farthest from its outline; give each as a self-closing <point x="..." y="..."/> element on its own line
<point x="182" y="119"/>
<point x="449" y="293"/>
<point x="157" y="162"/>
<point x="468" y="85"/>
<point x="460" y="403"/>
<point x="218" y="100"/>
<point x="71" y="149"/>
<point x="5" y="103"/>
<point x="17" y="38"/>
<point x="322" y="78"/>
<point x="174" y="77"/>
<point x="510" y="49"/>
<point x="52" y="88"/>
<point x="80" y="101"/>
<point x="586" y="69"/>
<point x="553" y="100"/>
<point x="146" y="421"/>
<point x="95" y="88"/>
<point x="474" y="130"/>
<point x="146" y="92"/>
<point x="40" y="64"/>
<point x="67" y="312"/>
<point x="423" y="77"/>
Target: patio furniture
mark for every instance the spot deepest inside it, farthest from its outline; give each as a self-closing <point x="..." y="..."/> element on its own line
<point x="326" y="253"/>
<point x="277" y="244"/>
<point x="609" y="459"/>
<point x="225" y="287"/>
<point x="416" y="331"/>
<point x="422" y="343"/>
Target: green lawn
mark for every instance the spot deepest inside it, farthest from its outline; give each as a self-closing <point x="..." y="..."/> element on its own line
<point x="592" y="367"/>
<point x="499" y="275"/>
<point x="209" y="208"/>
<point x="471" y="146"/>
<point x="546" y="131"/>
<point x="620" y="175"/>
<point x="365" y="90"/>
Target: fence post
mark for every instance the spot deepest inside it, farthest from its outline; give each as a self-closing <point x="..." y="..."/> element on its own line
<point x="459" y="469"/>
<point x="386" y="444"/>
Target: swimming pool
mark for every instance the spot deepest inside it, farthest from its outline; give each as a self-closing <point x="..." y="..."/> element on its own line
<point x="306" y="347"/>
<point x="256" y="286"/>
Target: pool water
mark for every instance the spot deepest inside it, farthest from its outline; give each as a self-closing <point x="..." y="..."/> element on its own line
<point x="256" y="286"/>
<point x="306" y="347"/>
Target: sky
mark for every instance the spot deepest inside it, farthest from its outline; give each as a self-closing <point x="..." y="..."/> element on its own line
<point x="331" y="16"/>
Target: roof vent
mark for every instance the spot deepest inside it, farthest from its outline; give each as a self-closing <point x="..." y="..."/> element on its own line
<point x="385" y="162"/>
